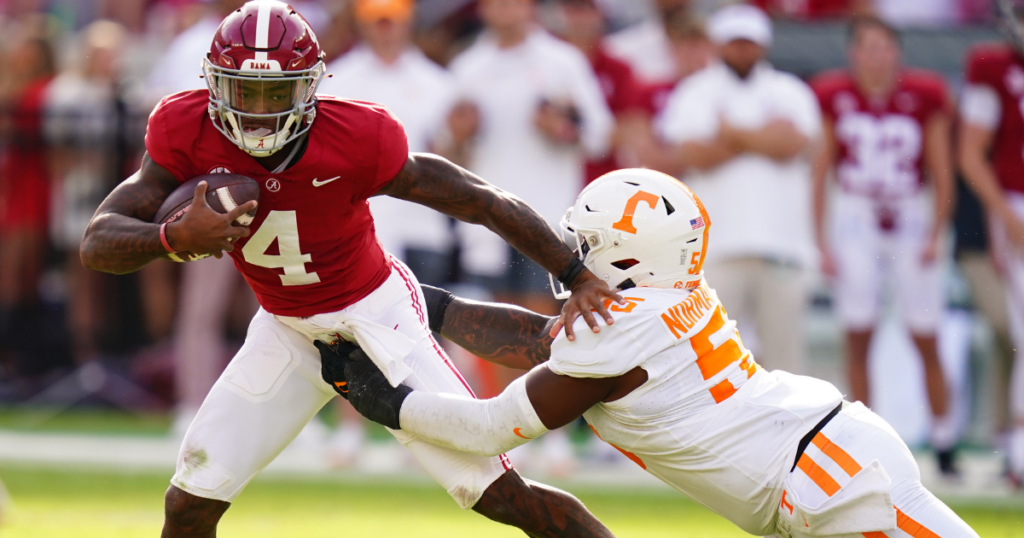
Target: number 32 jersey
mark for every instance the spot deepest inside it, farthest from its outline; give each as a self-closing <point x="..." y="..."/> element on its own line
<point x="312" y="247"/>
<point x="881" y="142"/>
<point x="709" y="421"/>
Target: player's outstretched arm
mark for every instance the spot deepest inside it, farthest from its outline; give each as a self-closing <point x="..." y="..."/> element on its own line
<point x="529" y="407"/>
<point x="504" y="334"/>
<point x="441" y="185"/>
<point x="121" y="237"/>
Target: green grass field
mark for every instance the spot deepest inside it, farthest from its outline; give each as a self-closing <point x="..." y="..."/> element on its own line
<point x="52" y="503"/>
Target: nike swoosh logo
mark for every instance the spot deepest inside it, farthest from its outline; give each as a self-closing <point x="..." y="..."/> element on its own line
<point x="516" y="431"/>
<point x="324" y="182"/>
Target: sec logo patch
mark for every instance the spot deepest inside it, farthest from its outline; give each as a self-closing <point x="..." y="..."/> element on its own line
<point x="273" y="185"/>
<point x="219" y="170"/>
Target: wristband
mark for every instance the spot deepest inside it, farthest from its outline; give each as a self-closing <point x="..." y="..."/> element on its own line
<point x="437" y="300"/>
<point x="163" y="238"/>
<point x="571" y="272"/>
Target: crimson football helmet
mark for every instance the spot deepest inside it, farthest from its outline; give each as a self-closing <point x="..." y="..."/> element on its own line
<point x="262" y="72"/>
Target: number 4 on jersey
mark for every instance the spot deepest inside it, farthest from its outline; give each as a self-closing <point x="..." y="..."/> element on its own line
<point x="284" y="227"/>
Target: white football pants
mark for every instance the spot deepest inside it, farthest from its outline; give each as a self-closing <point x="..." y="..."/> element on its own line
<point x="272" y="388"/>
<point x="852" y="440"/>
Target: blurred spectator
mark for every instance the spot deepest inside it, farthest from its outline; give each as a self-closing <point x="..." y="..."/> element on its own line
<point x="180" y="67"/>
<point x="541" y="113"/>
<point x="581" y="23"/>
<point x="886" y="130"/>
<point x="209" y="285"/>
<point x="919" y="12"/>
<point x="743" y="131"/>
<point x="341" y="32"/>
<point x="645" y="46"/>
<point x="990" y="141"/>
<point x="130" y="14"/>
<point x="24" y="188"/>
<point x="85" y="126"/>
<point x="386" y="68"/>
<point x="812" y="10"/>
<point x="976" y="261"/>
<point x="636" y="134"/>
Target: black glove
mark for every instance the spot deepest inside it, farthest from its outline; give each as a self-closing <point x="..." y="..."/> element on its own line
<point x="365" y="386"/>
<point x="332" y="367"/>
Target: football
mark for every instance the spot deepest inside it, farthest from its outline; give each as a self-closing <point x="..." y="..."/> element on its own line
<point x="224" y="192"/>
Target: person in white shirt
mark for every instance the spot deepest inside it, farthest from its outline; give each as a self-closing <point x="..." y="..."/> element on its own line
<point x="744" y="132"/>
<point x="541" y="114"/>
<point x="207" y="286"/>
<point x="646" y="47"/>
<point x="386" y="68"/>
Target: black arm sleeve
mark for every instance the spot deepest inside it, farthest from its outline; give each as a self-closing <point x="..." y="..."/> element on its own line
<point x="437" y="300"/>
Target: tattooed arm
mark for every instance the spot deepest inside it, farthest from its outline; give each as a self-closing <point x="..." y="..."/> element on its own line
<point x="121" y="237"/>
<point x="503" y="334"/>
<point x="438" y="184"/>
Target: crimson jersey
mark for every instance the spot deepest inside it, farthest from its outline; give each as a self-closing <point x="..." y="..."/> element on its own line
<point x="881" y="142"/>
<point x="312" y="247"/>
<point x="999" y="68"/>
<point x="651" y="99"/>
<point x="618" y="86"/>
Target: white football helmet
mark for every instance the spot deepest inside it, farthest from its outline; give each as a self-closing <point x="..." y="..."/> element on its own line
<point x="638" y="227"/>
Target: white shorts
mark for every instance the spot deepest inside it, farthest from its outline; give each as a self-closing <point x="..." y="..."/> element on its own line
<point x="272" y="388"/>
<point x="850" y="442"/>
<point x="865" y="256"/>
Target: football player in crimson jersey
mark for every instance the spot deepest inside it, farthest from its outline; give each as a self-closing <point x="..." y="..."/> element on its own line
<point x="886" y="129"/>
<point x="991" y="155"/>
<point x="312" y="258"/>
<point x="670" y="385"/>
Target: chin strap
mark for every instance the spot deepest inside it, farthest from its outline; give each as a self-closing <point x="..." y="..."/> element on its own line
<point x="295" y="150"/>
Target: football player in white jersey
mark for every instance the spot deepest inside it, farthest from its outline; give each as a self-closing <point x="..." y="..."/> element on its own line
<point x="669" y="384"/>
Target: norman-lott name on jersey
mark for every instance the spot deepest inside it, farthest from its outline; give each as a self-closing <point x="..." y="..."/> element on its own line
<point x="682" y="317"/>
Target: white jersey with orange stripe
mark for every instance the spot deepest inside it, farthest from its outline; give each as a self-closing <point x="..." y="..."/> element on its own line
<point x="709" y="421"/>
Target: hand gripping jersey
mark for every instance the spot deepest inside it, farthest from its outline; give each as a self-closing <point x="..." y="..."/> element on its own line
<point x="312" y="247"/>
<point x="999" y="69"/>
<point x="709" y="421"/>
<point x="881" y="143"/>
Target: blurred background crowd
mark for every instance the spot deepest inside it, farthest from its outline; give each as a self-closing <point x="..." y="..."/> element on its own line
<point x="874" y="271"/>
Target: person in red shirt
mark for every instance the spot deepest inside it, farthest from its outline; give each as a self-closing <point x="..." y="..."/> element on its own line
<point x="814" y="9"/>
<point x="311" y="255"/>
<point x="990" y="142"/>
<point x="24" y="182"/>
<point x="887" y="131"/>
<point x="691" y="51"/>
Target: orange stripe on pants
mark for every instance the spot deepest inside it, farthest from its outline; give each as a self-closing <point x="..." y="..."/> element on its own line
<point x="838" y="455"/>
<point x="818" y="475"/>
<point x="875" y="534"/>
<point x="906" y="524"/>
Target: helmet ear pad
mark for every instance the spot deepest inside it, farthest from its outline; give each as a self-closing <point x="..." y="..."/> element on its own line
<point x="640" y="227"/>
